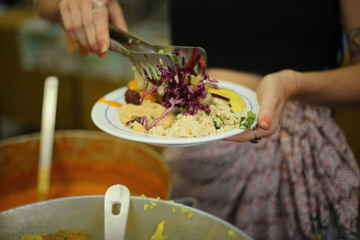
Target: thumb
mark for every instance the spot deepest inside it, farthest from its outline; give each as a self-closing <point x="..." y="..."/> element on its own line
<point x="267" y="110"/>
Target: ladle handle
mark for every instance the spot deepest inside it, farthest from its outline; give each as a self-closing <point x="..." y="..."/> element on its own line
<point x="47" y="136"/>
<point x="116" y="209"/>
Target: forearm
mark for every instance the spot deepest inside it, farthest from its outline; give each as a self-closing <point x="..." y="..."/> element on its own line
<point x="338" y="88"/>
<point x="49" y="10"/>
<point x="249" y="80"/>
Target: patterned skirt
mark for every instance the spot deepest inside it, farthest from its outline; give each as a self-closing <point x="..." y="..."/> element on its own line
<point x="301" y="183"/>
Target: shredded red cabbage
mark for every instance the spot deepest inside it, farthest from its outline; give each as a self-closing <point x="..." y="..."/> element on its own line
<point x="182" y="96"/>
<point x="220" y="96"/>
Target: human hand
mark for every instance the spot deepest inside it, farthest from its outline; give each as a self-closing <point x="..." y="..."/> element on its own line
<point x="86" y="22"/>
<point x="273" y="92"/>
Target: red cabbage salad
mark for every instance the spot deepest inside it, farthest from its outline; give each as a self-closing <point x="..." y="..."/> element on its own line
<point x="185" y="95"/>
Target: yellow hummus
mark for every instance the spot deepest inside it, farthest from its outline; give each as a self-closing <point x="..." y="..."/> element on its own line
<point x="149" y="109"/>
<point x="236" y="102"/>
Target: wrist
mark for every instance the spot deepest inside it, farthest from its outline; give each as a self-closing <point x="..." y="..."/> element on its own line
<point x="297" y="81"/>
<point x="291" y="83"/>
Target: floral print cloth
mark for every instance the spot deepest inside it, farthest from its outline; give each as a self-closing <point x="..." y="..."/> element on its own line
<point x="302" y="183"/>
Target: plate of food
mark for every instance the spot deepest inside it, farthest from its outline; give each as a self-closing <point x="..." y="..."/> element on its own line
<point x="210" y="110"/>
<point x="176" y="108"/>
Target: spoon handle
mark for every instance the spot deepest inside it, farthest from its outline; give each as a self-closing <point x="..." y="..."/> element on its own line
<point x="47" y="136"/>
<point x="116" y="203"/>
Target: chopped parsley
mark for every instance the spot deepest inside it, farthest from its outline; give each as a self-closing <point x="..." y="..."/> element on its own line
<point x="219" y="121"/>
<point x="230" y="108"/>
<point x="246" y="122"/>
<point x="216" y="124"/>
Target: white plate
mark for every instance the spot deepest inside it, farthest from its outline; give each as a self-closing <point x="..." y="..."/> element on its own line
<point x="106" y="117"/>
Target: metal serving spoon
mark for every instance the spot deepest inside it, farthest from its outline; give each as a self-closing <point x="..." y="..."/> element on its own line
<point x="47" y="136"/>
<point x="116" y="209"/>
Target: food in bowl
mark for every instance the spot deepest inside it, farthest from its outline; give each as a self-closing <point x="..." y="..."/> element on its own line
<point x="193" y="106"/>
<point x="85" y="215"/>
<point x="83" y="163"/>
<point x="59" y="235"/>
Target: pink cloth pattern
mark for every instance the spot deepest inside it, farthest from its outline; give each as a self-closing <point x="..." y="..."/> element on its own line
<point x="285" y="187"/>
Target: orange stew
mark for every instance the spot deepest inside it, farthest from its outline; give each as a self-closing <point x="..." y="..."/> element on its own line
<point x="81" y="177"/>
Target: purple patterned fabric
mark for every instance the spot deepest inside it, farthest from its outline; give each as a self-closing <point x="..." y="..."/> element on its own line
<point x="285" y="187"/>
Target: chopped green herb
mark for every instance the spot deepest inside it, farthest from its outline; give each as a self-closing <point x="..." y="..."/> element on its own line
<point x="230" y="108"/>
<point x="250" y="119"/>
<point x="216" y="124"/>
<point x="246" y="122"/>
<point x="221" y="118"/>
<point x="242" y="119"/>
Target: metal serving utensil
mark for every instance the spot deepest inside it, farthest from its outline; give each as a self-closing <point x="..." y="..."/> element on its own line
<point x="47" y="136"/>
<point x="146" y="56"/>
<point x="116" y="209"/>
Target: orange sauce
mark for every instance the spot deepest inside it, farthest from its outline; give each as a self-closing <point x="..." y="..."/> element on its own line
<point x="83" y="164"/>
<point x="111" y="103"/>
<point x="76" y="178"/>
<point x="57" y="190"/>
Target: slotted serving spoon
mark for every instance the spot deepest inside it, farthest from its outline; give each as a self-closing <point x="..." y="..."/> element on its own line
<point x="146" y="57"/>
<point x="116" y="209"/>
